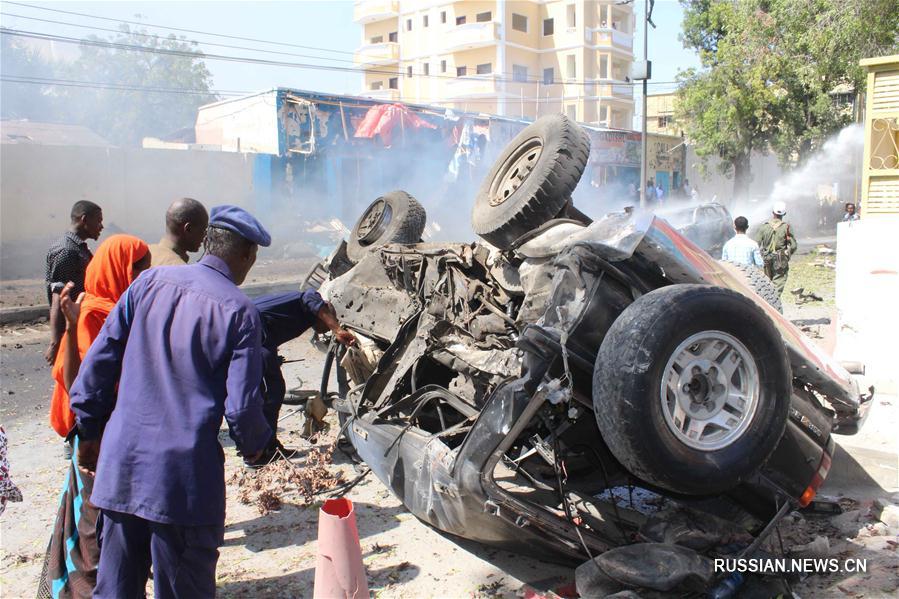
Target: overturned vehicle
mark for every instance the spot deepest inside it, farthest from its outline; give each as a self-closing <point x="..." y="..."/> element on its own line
<point x="522" y="390"/>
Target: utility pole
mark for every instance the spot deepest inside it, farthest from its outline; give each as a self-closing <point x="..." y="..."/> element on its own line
<point x="646" y="74"/>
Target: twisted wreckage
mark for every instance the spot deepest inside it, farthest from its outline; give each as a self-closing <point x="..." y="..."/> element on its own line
<point x="567" y="387"/>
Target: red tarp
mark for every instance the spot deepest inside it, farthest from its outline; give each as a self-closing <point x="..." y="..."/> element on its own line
<point x="383" y="119"/>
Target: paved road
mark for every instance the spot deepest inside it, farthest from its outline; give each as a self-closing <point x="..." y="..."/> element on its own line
<point x="26" y="383"/>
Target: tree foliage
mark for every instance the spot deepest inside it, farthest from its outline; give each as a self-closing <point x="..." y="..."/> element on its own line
<point x="124" y="94"/>
<point x="770" y="70"/>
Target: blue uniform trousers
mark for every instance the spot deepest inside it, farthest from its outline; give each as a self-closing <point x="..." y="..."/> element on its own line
<point x="183" y="557"/>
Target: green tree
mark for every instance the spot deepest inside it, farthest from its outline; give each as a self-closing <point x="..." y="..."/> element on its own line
<point x="769" y="72"/>
<point x="826" y="39"/>
<point x="127" y="110"/>
<point x="730" y="105"/>
<point x="22" y="95"/>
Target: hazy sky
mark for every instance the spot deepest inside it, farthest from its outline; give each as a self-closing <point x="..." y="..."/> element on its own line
<point x="325" y="28"/>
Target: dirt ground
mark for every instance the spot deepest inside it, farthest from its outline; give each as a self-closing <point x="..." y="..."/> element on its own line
<point x="273" y="554"/>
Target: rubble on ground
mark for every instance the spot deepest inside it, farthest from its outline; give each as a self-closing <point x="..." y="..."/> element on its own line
<point x="268" y="486"/>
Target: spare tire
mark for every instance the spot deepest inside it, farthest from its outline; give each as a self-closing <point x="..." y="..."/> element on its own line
<point x="755" y="279"/>
<point x="395" y="217"/>
<point x="691" y="388"/>
<point x="531" y="181"/>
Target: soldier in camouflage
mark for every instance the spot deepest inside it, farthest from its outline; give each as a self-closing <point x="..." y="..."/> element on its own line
<point x="778" y="244"/>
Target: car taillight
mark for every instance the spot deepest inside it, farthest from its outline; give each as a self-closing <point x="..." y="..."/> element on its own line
<point x="817" y="481"/>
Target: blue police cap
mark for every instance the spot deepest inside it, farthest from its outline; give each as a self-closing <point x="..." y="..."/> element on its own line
<point x="241" y="222"/>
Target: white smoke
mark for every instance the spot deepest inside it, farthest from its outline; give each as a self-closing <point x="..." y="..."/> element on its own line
<point x="833" y="169"/>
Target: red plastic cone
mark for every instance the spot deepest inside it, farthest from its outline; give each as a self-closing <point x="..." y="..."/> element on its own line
<point x="339" y="573"/>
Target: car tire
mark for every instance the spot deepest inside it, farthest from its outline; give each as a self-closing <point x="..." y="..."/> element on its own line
<point x="661" y="434"/>
<point x="395" y="217"/>
<point x="551" y="154"/>
<point x="755" y="279"/>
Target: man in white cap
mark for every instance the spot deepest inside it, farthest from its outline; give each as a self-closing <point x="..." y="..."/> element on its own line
<point x="778" y="244"/>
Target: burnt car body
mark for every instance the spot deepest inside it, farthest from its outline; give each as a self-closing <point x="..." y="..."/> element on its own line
<point x="497" y="392"/>
<point x="707" y="225"/>
<point x="439" y="443"/>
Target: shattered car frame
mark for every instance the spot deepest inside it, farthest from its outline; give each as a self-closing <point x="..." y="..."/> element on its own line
<point x="475" y="413"/>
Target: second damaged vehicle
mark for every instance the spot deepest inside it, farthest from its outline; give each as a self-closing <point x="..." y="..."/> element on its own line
<point x="566" y="387"/>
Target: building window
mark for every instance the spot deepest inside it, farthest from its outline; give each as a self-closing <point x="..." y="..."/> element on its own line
<point x="393" y="83"/>
<point x="548" y="76"/>
<point x="571" y="111"/>
<point x="443" y="66"/>
<point x="443" y="16"/>
<point x="426" y="68"/>
<point x="424" y="21"/>
<point x="409" y="71"/>
<point x="375" y="85"/>
<point x="547" y="26"/>
<point x="519" y="23"/>
<point x="408" y="24"/>
<point x="603" y="67"/>
<point x="484" y="69"/>
<point x="377" y="39"/>
<point x="483" y="17"/>
<point x="460" y="20"/>
<point x="519" y="73"/>
<point x="572" y="15"/>
<point x="391" y="37"/>
<point x="664" y="121"/>
<point x="571" y="63"/>
<point x="461" y="71"/>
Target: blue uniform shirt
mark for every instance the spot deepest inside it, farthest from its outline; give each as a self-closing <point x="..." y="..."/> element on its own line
<point x="184" y="345"/>
<point x="286" y="316"/>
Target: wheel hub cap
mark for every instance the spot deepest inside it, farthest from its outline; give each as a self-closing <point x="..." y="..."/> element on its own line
<point x="516" y="169"/>
<point x="709" y="391"/>
<point x="374" y="222"/>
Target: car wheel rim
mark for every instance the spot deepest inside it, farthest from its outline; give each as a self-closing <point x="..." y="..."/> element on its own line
<point x="710" y="391"/>
<point x="374" y="222"/>
<point x="517" y="168"/>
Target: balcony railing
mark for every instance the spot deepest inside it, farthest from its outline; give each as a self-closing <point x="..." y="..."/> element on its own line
<point x="610" y="37"/>
<point x="377" y="54"/>
<point x="369" y="11"/>
<point x="387" y="94"/>
<point x="471" y="35"/>
<point x="609" y="88"/>
<point x="473" y="85"/>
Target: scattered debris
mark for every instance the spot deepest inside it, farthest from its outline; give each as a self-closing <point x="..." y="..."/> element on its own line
<point x="657" y="566"/>
<point x="267" y="486"/>
<point x="803" y="296"/>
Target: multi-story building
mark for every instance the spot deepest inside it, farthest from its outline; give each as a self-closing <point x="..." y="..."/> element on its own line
<point x="660" y="114"/>
<point x="510" y="58"/>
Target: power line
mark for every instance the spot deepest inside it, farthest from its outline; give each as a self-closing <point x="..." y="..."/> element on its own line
<point x="222" y="35"/>
<point x="117" y="86"/>
<point x="76" y="83"/>
<point x="157" y="37"/>
<point x="250" y="60"/>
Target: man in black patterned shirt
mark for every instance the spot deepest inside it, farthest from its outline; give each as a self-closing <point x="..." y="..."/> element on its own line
<point x="67" y="260"/>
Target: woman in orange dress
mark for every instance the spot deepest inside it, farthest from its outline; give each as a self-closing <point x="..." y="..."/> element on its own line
<point x="70" y="569"/>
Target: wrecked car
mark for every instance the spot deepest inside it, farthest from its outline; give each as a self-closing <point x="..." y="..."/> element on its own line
<point x="555" y="386"/>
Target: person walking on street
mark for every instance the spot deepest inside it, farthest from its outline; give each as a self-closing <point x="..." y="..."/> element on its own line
<point x="67" y="259"/>
<point x="740" y="249"/>
<point x="180" y="351"/>
<point x="850" y="214"/>
<point x="778" y="244"/>
<point x="185" y="229"/>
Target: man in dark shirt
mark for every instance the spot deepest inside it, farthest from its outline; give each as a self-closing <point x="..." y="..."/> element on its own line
<point x="286" y="316"/>
<point x="67" y="260"/>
